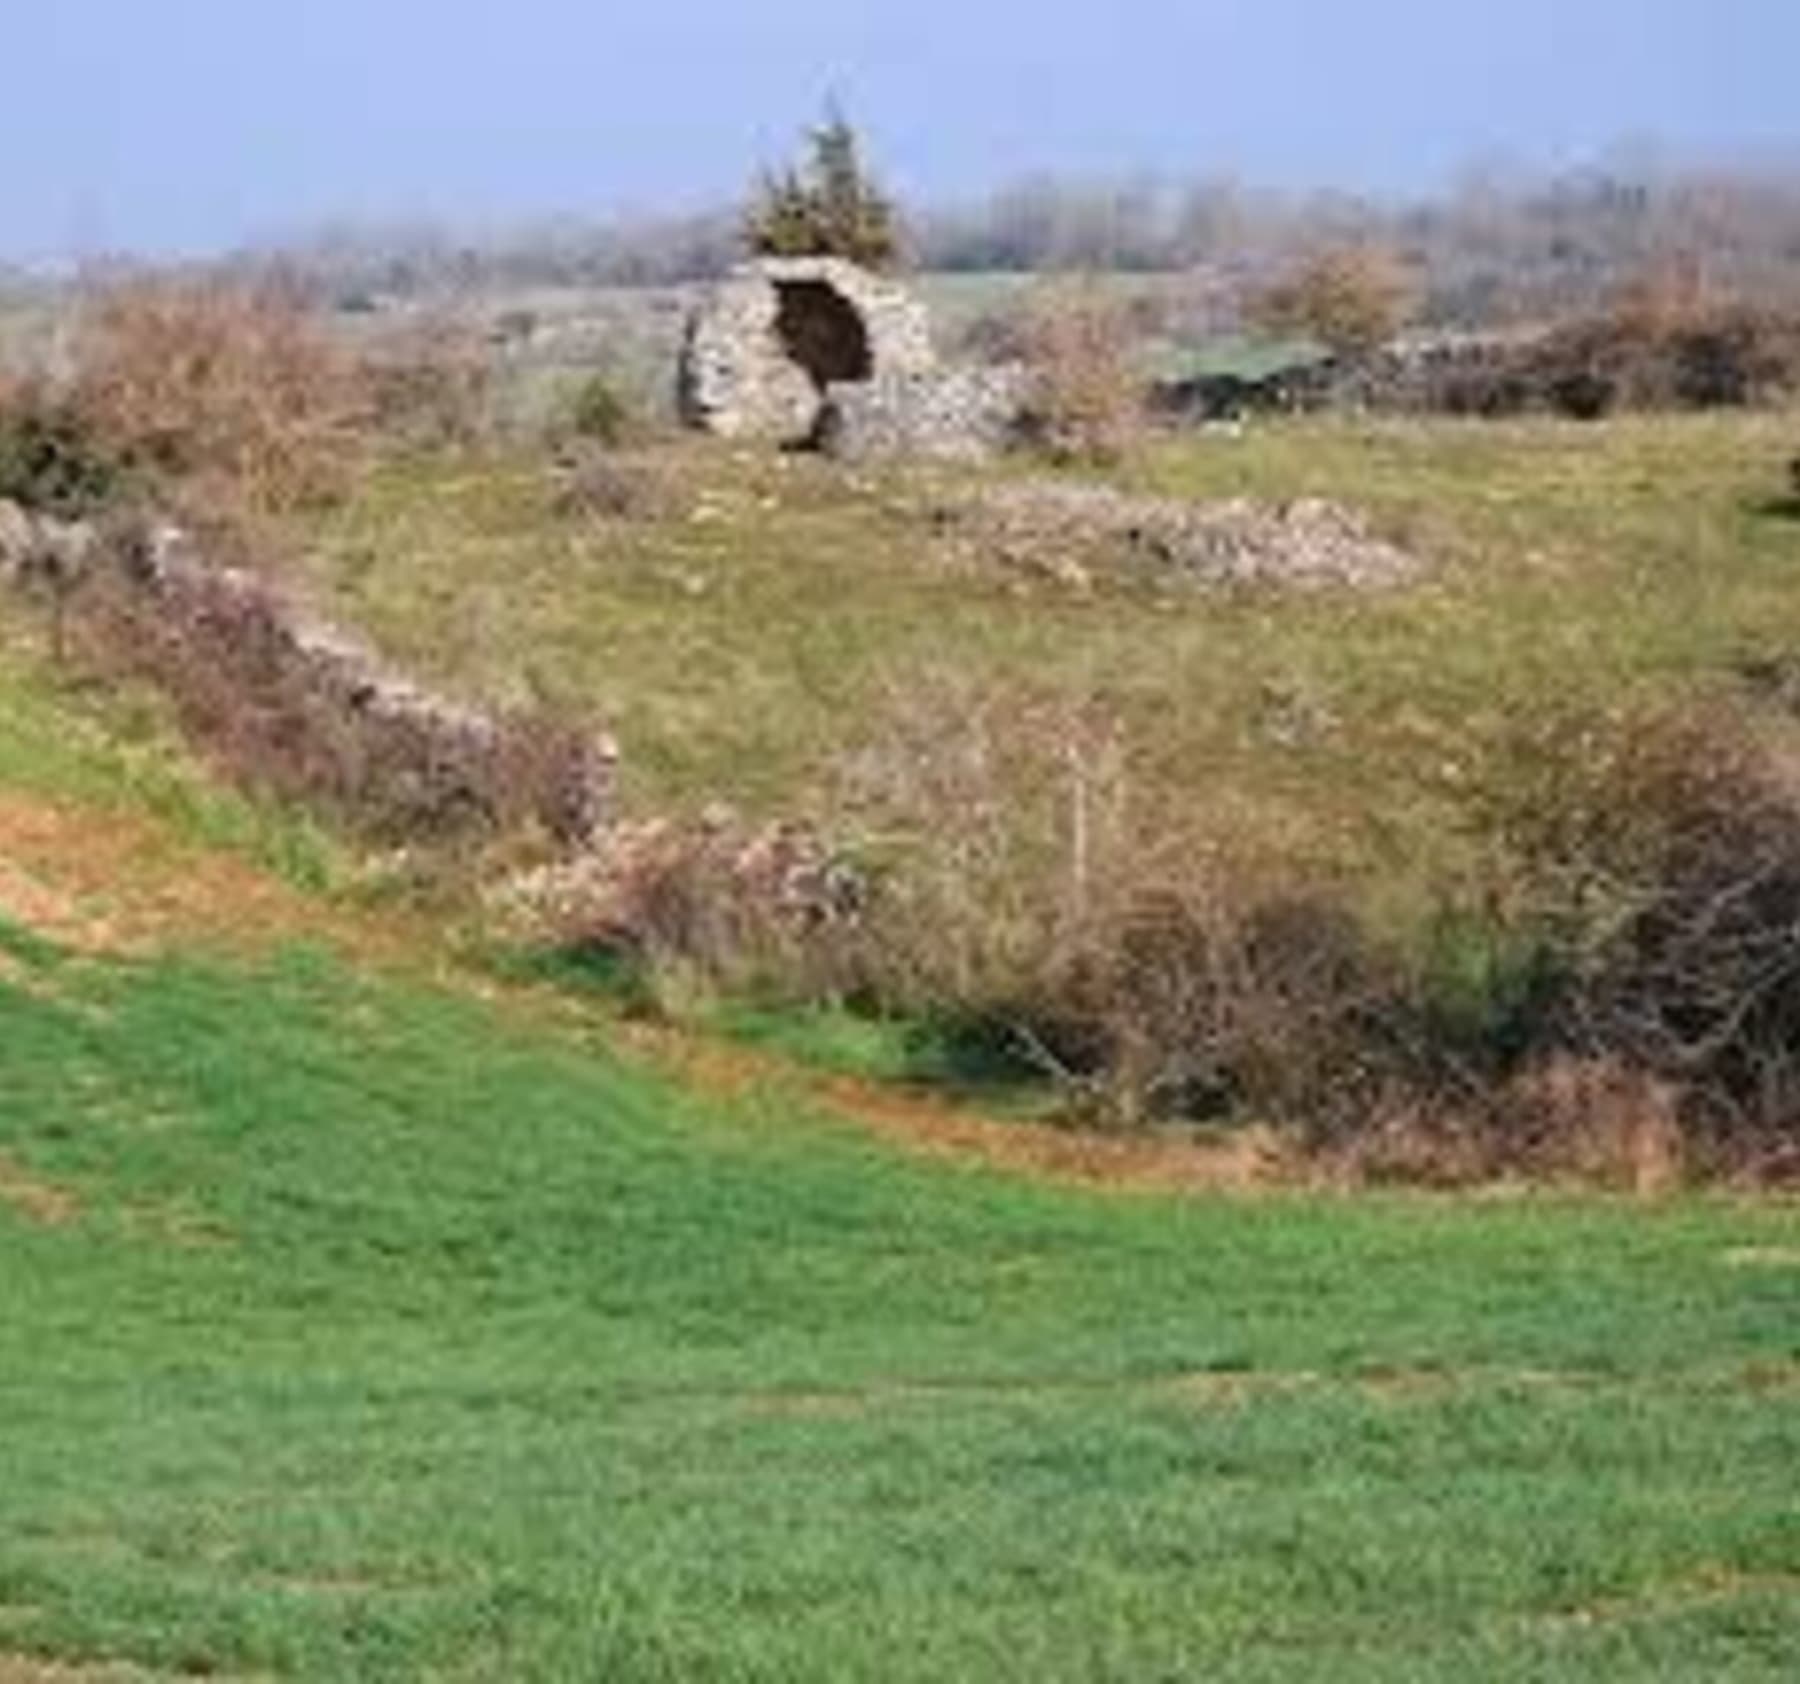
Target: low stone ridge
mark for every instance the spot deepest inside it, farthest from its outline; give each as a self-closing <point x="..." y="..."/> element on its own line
<point x="408" y="735"/>
<point x="1070" y="532"/>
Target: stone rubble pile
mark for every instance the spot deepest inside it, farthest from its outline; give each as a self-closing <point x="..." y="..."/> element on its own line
<point x="708" y="889"/>
<point x="1075" y="532"/>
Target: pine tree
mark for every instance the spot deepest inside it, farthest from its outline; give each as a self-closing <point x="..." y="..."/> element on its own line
<point x="831" y="209"/>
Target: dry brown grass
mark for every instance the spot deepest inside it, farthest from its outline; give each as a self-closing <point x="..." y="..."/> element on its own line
<point x="36" y="1200"/>
<point x="234" y="387"/>
<point x="109" y="881"/>
<point x="1353" y="298"/>
<point x="1085" y="402"/>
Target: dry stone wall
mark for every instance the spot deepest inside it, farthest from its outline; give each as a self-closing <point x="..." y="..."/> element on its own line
<point x="391" y="746"/>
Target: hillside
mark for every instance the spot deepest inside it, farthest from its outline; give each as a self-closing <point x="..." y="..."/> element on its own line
<point x="368" y="1319"/>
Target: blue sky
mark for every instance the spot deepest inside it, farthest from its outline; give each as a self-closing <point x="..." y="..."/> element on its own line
<point x="189" y="124"/>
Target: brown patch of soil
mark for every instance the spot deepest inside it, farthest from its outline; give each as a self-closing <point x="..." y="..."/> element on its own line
<point x="1763" y="1257"/>
<point x="1201" y="1389"/>
<point x="107" y="882"/>
<point x="30" y="1669"/>
<point x="37" y="1201"/>
<point x="1708" y="1587"/>
<point x="1780" y="1379"/>
<point x="27" y="900"/>
<point x="24" y="1669"/>
<point x="1248" y="1162"/>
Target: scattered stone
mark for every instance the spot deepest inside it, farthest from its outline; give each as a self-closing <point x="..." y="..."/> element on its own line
<point x="707" y="889"/>
<point x="41" y="549"/>
<point x="18" y="538"/>
<point x="1075" y="531"/>
<point x="959" y="414"/>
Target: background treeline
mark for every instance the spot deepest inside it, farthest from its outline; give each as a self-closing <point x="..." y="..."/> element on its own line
<point x="1493" y="250"/>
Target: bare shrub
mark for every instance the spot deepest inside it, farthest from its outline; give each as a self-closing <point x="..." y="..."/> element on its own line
<point x="1354" y="299"/>
<point x="1152" y="969"/>
<point x="992" y="817"/>
<point x="1663" y="342"/>
<point x="1621" y="1004"/>
<point x="1085" y="400"/>
<point x="1596" y="1119"/>
<point x="51" y="462"/>
<point x="429" y="384"/>
<point x="1225" y="997"/>
<point x="1664" y="861"/>
<point x="764" y="907"/>
<point x="233" y="385"/>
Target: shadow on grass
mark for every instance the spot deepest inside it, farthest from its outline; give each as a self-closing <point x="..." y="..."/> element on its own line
<point x="1777" y="508"/>
<point x="959" y="1060"/>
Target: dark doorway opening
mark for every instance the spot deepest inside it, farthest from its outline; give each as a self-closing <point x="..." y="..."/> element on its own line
<point x="823" y="333"/>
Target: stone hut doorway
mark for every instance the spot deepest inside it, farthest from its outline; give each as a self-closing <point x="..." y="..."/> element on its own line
<point x="768" y="348"/>
<point x="823" y="333"/>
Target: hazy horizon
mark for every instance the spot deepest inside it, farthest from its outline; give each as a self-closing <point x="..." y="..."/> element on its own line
<point x="192" y="128"/>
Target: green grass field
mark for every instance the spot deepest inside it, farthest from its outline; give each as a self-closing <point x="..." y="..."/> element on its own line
<point x="357" y="1330"/>
<point x="366" y="1318"/>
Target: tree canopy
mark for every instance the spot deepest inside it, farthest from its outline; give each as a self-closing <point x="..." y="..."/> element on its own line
<point x="829" y="207"/>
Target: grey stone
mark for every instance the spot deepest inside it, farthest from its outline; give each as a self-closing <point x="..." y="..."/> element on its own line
<point x="65" y="549"/>
<point x="18" y="539"/>
<point x="956" y="414"/>
<point x="769" y="343"/>
<point x="42" y="550"/>
<point x="1043" y="526"/>
<point x="403" y="726"/>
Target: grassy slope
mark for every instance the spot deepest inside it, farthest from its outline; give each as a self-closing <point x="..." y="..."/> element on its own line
<point x="383" y="1335"/>
<point x="745" y="652"/>
<point x="114" y="755"/>
<point x="356" y="1329"/>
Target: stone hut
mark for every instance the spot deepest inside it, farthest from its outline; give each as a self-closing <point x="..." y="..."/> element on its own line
<point x="764" y="351"/>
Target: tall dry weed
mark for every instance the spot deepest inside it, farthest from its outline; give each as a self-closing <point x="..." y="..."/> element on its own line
<point x="1085" y="400"/>
<point x="236" y="389"/>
